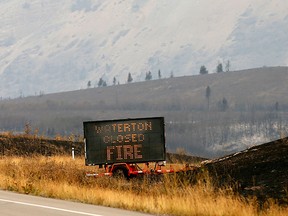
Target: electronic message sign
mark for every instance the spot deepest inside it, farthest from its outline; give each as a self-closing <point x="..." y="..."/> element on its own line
<point x="124" y="140"/>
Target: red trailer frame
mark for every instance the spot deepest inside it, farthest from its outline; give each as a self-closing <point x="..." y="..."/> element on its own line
<point x="130" y="170"/>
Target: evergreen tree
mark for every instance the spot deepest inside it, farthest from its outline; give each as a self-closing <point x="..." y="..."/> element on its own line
<point x="203" y="70"/>
<point x="148" y="76"/>
<point x="171" y="74"/>
<point x="130" y="79"/>
<point x="100" y="82"/>
<point x="276" y="106"/>
<point x="219" y="68"/>
<point x="114" y="81"/>
<point x="224" y="104"/>
<point x="89" y="84"/>
<point x="159" y="74"/>
<point x="104" y="84"/>
<point x="208" y="94"/>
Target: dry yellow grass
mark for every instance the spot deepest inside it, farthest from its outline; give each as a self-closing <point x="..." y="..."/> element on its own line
<point x="64" y="178"/>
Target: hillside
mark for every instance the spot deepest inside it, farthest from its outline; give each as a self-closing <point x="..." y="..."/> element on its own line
<point x="255" y="111"/>
<point x="52" y="47"/>
<point x="31" y="146"/>
<point x="259" y="171"/>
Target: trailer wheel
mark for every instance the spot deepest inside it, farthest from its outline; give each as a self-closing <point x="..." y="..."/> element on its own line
<point x="120" y="173"/>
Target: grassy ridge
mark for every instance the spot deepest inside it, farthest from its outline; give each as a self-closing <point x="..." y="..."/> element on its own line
<point x="64" y="178"/>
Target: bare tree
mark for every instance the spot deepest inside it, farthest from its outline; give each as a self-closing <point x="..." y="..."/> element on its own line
<point x="227" y="66"/>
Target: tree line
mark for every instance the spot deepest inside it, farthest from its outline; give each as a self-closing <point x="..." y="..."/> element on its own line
<point x="203" y="70"/>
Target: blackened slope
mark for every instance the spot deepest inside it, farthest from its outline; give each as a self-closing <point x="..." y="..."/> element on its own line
<point x="29" y="145"/>
<point x="261" y="170"/>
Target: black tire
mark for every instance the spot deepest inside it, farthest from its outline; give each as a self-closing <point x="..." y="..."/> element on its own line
<point x="120" y="174"/>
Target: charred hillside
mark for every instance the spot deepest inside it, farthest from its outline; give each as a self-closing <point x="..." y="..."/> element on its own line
<point x="260" y="171"/>
<point x="31" y="146"/>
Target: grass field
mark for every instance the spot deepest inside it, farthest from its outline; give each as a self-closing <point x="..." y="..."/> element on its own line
<point x="64" y="178"/>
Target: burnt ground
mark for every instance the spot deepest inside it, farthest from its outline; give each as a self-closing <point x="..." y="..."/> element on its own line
<point x="28" y="145"/>
<point x="260" y="171"/>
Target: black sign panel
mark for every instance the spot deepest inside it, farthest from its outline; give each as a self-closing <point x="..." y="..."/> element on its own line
<point x="125" y="140"/>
